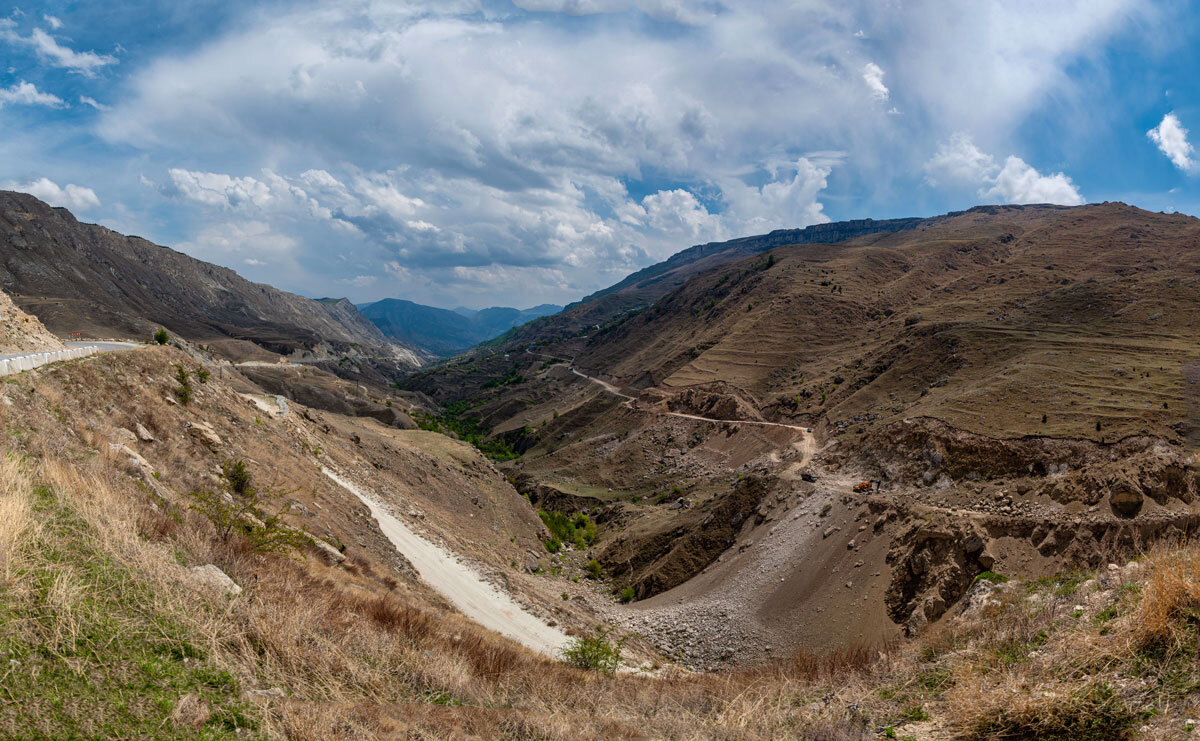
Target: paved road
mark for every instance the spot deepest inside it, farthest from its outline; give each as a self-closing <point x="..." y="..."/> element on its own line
<point x="474" y="597"/>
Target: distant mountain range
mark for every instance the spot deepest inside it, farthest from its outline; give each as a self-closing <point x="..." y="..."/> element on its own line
<point x="443" y="331"/>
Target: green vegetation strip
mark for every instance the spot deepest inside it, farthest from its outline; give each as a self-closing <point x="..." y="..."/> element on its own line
<point x="84" y="653"/>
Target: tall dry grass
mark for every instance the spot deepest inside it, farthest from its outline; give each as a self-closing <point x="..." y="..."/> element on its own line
<point x="17" y="526"/>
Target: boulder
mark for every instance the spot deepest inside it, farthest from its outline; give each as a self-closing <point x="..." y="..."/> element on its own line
<point x="205" y="435"/>
<point x="211" y="578"/>
<point x="144" y="434"/>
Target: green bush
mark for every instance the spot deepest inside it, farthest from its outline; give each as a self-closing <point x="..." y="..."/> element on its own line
<point x="627" y="594"/>
<point x="240" y="509"/>
<point x="203" y="375"/>
<point x="596" y="653"/>
<point x="161" y="337"/>
<point x="578" y="530"/>
<point x="992" y="576"/>
<point x="183" y="391"/>
<point x="594" y="569"/>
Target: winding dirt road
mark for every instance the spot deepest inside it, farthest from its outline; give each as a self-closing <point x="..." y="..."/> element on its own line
<point x="806" y="446"/>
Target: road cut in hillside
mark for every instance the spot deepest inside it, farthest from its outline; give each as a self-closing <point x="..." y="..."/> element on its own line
<point x="466" y="590"/>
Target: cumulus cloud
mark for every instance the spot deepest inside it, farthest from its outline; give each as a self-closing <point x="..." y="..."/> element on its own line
<point x="26" y="93"/>
<point x="74" y="197"/>
<point x="49" y="50"/>
<point x="1017" y="182"/>
<point x="433" y="137"/>
<point x="872" y="74"/>
<point x="958" y="163"/>
<point x="1172" y="140"/>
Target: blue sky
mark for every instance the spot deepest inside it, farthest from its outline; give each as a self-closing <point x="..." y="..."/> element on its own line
<point x="479" y="152"/>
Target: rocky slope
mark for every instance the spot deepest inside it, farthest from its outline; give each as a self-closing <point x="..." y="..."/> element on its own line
<point x="84" y="278"/>
<point x="22" y="333"/>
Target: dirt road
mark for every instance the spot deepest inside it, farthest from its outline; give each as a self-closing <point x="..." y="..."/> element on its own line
<point x="474" y="597"/>
<point x="807" y="445"/>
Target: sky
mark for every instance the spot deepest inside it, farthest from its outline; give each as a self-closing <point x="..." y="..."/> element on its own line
<point x="518" y="152"/>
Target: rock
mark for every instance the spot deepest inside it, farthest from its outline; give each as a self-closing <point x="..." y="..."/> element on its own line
<point x="205" y="434"/>
<point x="210" y="577"/>
<point x="126" y="435"/>
<point x="144" y="434"/>
<point x="986" y="560"/>
<point x="331" y="554"/>
<point x="532" y="562"/>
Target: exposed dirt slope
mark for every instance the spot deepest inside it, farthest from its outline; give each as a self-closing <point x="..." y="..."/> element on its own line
<point x="22" y="333"/>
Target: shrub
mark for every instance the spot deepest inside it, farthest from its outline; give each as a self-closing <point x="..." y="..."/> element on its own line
<point x="183" y="391"/>
<point x="239" y="509"/>
<point x="578" y="530"/>
<point x="594" y="569"/>
<point x="596" y="653"/>
<point x="161" y="337"/>
<point x="203" y="375"/>
<point x="627" y="594"/>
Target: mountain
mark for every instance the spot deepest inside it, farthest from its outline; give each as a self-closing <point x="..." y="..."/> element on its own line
<point x="85" y="278"/>
<point x="446" y="332"/>
<point x="1023" y="382"/>
<point x="649" y="284"/>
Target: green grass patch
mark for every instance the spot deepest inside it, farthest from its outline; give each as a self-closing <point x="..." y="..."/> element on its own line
<point x="87" y="654"/>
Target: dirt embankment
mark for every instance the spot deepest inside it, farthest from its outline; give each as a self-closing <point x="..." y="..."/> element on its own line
<point x="716" y="400"/>
<point x="22" y="333"/>
<point x="1122" y="475"/>
<point x="658" y="559"/>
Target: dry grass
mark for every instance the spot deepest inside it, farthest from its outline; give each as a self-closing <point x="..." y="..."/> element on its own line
<point x="16" y="515"/>
<point x="360" y="655"/>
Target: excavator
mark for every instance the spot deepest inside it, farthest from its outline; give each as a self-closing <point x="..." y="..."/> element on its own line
<point x="866" y="487"/>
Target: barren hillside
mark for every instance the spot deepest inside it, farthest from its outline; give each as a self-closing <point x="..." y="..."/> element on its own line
<point x="84" y="278"/>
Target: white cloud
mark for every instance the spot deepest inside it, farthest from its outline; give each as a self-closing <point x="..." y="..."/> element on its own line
<point x="872" y="74"/>
<point x="74" y="197"/>
<point x="1171" y="138"/>
<point x="690" y="12"/>
<point x="48" y="49"/>
<point x="53" y="22"/>
<point x="27" y="94"/>
<point x="959" y="163"/>
<point x="433" y="136"/>
<point x="85" y="100"/>
<point x="1017" y="182"/>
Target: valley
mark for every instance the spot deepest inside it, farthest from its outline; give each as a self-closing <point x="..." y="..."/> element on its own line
<point x="814" y="490"/>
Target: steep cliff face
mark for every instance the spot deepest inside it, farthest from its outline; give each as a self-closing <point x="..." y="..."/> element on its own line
<point x="85" y="278"/>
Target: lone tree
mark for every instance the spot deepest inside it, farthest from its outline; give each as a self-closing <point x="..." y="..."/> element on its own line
<point x="161" y="337"/>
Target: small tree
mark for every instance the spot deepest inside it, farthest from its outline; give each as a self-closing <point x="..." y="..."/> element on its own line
<point x="240" y="508"/>
<point x="184" y="390"/>
<point x="161" y="337"/>
<point x="594" y="569"/>
<point x="596" y="653"/>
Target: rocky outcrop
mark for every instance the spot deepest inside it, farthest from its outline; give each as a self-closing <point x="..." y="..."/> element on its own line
<point x="933" y="563"/>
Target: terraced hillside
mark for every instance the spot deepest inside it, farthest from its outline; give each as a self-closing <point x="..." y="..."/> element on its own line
<point x="1020" y="381"/>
